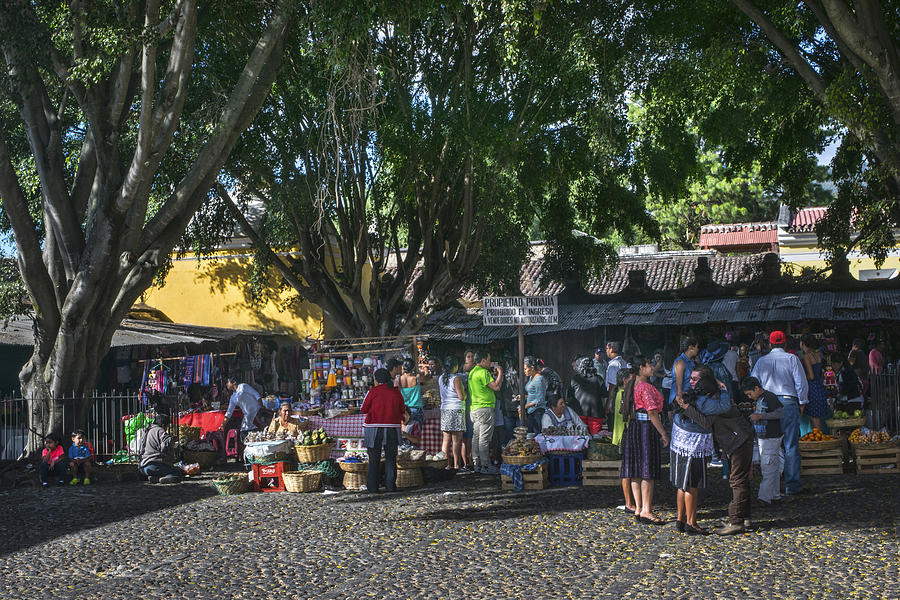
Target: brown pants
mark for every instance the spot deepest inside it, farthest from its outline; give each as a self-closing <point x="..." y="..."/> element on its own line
<point x="740" y="462"/>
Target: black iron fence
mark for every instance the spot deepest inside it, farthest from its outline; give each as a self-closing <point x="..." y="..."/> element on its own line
<point x="884" y="401"/>
<point x="104" y="426"/>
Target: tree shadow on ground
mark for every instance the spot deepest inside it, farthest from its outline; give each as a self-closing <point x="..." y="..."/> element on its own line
<point x="832" y="501"/>
<point x="34" y="516"/>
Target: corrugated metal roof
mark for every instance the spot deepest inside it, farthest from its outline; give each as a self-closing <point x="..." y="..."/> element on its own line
<point x="466" y="326"/>
<point x="139" y="333"/>
<point x="642" y="308"/>
<point x="820" y="306"/>
<point x="852" y="300"/>
<point x="724" y="308"/>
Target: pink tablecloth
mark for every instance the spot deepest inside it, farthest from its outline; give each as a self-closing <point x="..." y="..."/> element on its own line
<point x="352" y="427"/>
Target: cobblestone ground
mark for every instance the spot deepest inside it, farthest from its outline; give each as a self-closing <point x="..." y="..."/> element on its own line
<point x="460" y="539"/>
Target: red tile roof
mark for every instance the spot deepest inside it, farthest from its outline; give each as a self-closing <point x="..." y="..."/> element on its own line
<point x="734" y="235"/>
<point x="805" y="219"/>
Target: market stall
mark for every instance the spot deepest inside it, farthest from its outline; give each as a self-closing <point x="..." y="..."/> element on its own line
<point x="206" y="420"/>
<point x="348" y="431"/>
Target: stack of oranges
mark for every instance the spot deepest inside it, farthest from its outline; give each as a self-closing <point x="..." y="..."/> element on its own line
<point x="816" y="436"/>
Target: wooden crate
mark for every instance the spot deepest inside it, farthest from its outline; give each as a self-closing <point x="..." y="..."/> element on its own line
<point x="873" y="461"/>
<point x="822" y="462"/>
<point x="538" y="479"/>
<point x="601" y="472"/>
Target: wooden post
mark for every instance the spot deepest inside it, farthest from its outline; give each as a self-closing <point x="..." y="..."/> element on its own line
<point x="522" y="376"/>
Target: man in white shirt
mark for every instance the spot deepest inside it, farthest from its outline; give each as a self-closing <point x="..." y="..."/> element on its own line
<point x="783" y="375"/>
<point x="730" y="361"/>
<point x="616" y="362"/>
<point x="246" y="398"/>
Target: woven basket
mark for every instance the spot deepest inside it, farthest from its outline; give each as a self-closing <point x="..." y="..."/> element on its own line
<point x="231" y="485"/>
<point x="437" y="464"/>
<point x="521" y="460"/>
<point x="188" y="434"/>
<point x="602" y="452"/>
<point x="301" y="481"/>
<point x="823" y="445"/>
<point x="354" y="480"/>
<point x="875" y="446"/>
<point x="360" y="467"/>
<point x="411" y="464"/>
<point x="313" y="454"/>
<point x="408" y="478"/>
<point x="841" y="423"/>
<point x="204" y="458"/>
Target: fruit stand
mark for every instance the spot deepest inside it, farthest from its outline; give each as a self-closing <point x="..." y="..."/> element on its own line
<point x="821" y="454"/>
<point x="875" y="452"/>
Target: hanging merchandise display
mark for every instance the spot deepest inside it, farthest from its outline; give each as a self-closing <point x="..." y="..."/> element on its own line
<point x="341" y="372"/>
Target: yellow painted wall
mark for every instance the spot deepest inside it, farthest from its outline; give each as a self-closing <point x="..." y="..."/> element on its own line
<point x="214" y="292"/>
<point x="807" y="254"/>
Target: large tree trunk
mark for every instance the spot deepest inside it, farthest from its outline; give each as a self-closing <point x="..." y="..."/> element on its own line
<point x="98" y="247"/>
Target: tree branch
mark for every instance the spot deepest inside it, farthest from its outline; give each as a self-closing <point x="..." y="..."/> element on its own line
<point x="243" y="103"/>
<point x="34" y="272"/>
<point x="786" y="47"/>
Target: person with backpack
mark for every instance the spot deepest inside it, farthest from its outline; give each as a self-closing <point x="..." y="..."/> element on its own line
<point x="734" y="433"/>
<point x="715" y="357"/>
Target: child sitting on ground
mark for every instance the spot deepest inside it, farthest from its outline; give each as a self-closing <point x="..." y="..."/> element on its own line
<point x="80" y="458"/>
<point x="52" y="462"/>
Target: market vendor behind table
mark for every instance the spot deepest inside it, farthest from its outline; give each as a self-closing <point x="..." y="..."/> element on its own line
<point x="559" y="417"/>
<point x="284" y="422"/>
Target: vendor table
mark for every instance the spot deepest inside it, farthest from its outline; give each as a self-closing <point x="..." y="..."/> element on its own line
<point x="562" y="443"/>
<point x="206" y="421"/>
<point x="352" y="427"/>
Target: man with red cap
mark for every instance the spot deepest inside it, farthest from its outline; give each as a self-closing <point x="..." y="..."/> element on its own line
<point x="783" y="375"/>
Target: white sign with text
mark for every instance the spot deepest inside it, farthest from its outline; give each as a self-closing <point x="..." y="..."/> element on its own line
<point x="520" y="310"/>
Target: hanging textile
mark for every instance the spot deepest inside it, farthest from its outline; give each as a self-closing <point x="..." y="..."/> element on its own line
<point x="186" y="368"/>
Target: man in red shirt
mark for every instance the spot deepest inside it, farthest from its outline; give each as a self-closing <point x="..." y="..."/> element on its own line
<point x="385" y="414"/>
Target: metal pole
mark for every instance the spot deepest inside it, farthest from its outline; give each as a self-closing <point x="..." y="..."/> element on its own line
<point x="521" y="376"/>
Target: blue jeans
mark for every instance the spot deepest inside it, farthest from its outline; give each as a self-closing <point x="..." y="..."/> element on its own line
<point x="58" y="471"/>
<point x="509" y="426"/>
<point x="158" y="469"/>
<point x="387" y="438"/>
<point x="535" y="420"/>
<point x="467" y="434"/>
<point x="790" y="427"/>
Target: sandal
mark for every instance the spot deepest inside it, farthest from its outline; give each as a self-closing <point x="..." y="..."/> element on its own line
<point x="653" y="521"/>
<point x="690" y="530"/>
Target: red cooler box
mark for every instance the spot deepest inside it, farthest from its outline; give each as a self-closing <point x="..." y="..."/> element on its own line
<point x="267" y="478"/>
